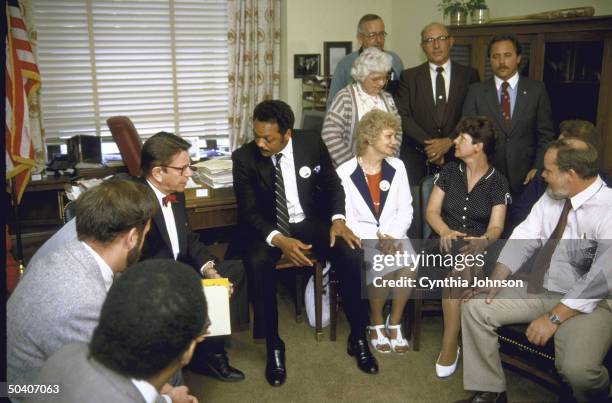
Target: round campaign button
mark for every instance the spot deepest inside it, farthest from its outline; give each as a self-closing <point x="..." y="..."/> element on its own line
<point x="384" y="185"/>
<point x="305" y="172"/>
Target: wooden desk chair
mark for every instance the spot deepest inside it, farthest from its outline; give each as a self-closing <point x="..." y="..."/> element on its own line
<point x="285" y="263"/>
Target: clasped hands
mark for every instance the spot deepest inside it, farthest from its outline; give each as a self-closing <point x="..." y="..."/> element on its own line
<point x="387" y="244"/>
<point x="295" y="250"/>
<point x="436" y="148"/>
<point x="474" y="244"/>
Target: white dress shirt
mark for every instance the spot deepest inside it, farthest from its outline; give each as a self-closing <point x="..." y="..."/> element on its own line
<point x="589" y="220"/>
<point x="513" y="81"/>
<point x="148" y="391"/>
<point x="168" y="219"/>
<point x="105" y="270"/>
<point x="433" y="74"/>
<point x="287" y="164"/>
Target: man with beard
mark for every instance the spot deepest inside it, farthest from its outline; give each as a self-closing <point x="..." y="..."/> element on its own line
<point x="166" y="168"/>
<point x="59" y="299"/>
<point x="567" y="297"/>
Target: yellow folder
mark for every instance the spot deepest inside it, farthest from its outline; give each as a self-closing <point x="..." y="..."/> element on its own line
<point x="217" y="296"/>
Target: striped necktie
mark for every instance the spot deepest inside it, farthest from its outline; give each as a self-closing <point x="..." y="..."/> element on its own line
<point x="282" y="213"/>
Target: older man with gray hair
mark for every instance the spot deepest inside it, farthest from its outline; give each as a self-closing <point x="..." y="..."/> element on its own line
<point x="370" y="33"/>
<point x="370" y="72"/>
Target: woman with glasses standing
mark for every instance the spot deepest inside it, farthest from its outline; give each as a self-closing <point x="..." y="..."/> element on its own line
<point x="370" y="72"/>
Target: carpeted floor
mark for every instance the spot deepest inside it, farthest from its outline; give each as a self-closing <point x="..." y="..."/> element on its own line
<point x="325" y="372"/>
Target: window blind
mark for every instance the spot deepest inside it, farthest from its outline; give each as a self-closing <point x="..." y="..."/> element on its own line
<point x="162" y="63"/>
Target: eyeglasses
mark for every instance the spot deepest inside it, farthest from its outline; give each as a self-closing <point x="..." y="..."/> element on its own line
<point x="372" y="35"/>
<point x="378" y="79"/>
<point x="182" y="169"/>
<point x="430" y="41"/>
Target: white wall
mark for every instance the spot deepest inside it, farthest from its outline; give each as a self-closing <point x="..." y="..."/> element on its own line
<point x="410" y="17"/>
<point x="306" y="24"/>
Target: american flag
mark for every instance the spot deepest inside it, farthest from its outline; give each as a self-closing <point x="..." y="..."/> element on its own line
<point x="22" y="80"/>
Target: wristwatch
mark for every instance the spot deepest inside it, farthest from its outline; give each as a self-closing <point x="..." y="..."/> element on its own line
<point x="554" y="319"/>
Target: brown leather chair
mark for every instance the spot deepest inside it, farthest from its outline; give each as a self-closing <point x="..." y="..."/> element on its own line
<point x="128" y="141"/>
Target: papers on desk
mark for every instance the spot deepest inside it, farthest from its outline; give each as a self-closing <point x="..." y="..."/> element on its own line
<point x="215" y="166"/>
<point x="73" y="191"/>
<point x="218" y="297"/>
<point x="216" y="173"/>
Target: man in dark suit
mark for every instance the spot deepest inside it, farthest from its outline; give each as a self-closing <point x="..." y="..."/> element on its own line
<point x="520" y="110"/>
<point x="430" y="99"/>
<point x="166" y="168"/>
<point x="290" y="201"/>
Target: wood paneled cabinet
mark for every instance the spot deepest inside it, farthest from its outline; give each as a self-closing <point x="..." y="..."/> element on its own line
<point x="572" y="56"/>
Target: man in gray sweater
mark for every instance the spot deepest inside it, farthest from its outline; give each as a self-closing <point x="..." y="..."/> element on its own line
<point x="58" y="301"/>
<point x="152" y="318"/>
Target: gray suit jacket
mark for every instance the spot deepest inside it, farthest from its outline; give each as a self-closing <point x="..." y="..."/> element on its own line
<point x="57" y="302"/>
<point x="83" y="379"/>
<point x="520" y="147"/>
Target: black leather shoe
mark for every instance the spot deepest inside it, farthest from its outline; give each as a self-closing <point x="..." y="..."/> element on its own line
<point x="365" y="360"/>
<point x="486" y="397"/>
<point x="217" y="366"/>
<point x="276" y="373"/>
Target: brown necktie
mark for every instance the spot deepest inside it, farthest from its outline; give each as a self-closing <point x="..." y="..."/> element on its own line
<point x="505" y="104"/>
<point x="440" y="95"/>
<point x="542" y="259"/>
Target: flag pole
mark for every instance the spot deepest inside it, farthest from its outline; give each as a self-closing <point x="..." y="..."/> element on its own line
<point x="19" y="248"/>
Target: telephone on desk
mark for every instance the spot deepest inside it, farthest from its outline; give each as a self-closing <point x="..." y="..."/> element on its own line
<point x="60" y="163"/>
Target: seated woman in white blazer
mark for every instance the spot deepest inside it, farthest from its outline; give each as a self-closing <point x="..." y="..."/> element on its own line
<point x="379" y="211"/>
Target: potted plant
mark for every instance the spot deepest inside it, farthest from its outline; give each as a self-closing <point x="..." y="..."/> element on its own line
<point x="456" y="10"/>
<point x="479" y="11"/>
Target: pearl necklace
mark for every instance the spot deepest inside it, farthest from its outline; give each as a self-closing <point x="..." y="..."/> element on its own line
<point x="370" y="170"/>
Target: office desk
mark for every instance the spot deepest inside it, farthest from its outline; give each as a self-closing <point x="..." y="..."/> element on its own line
<point x="214" y="208"/>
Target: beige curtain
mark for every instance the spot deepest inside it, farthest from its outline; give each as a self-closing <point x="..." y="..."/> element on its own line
<point x="254" y="62"/>
<point x="36" y="131"/>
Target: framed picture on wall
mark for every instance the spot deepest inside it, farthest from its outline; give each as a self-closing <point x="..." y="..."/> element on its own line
<point x="334" y="52"/>
<point x="306" y="65"/>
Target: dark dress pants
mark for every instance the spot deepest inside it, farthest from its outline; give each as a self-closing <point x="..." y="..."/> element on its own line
<point x="260" y="260"/>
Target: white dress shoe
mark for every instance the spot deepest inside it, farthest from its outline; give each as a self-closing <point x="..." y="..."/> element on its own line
<point x="444" y="371"/>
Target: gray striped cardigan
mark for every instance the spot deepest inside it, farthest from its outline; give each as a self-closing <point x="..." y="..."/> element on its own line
<point x="341" y="120"/>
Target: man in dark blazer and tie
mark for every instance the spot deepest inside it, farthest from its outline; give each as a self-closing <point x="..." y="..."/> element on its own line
<point x="290" y="201"/>
<point x="430" y="99"/>
<point x="166" y="168"/>
<point x="520" y="110"/>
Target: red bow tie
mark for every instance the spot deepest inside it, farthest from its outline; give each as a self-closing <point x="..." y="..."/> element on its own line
<point x="168" y="199"/>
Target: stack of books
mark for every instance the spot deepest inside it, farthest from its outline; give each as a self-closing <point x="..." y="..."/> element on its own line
<point x="216" y="173"/>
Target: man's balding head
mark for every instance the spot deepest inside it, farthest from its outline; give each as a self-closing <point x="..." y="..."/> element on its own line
<point x="574" y="154"/>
